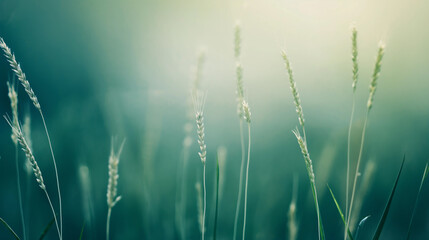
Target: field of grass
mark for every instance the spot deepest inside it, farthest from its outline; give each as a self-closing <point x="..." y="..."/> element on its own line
<point x="214" y="120"/>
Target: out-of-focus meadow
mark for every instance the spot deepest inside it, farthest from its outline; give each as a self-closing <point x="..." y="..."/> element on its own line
<point x="125" y="68"/>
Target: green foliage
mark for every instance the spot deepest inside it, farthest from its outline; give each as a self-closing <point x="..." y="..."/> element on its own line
<point x="387" y="208"/>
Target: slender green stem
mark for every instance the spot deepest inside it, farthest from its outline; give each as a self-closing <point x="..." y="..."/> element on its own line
<point x="9" y="228"/>
<point x="18" y="178"/>
<point x="357" y="168"/>
<point x="348" y="163"/>
<point x="53" y="212"/>
<point x="217" y="198"/>
<point x="205" y="202"/>
<point x="56" y="173"/>
<point x="247" y="183"/>
<point x="109" y="212"/>
<point x="240" y="186"/>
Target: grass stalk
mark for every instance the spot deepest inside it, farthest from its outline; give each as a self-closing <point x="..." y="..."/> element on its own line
<point x="240" y="185"/>
<point x="109" y="213"/>
<point x="302" y="141"/>
<point x="199" y="99"/>
<point x="425" y="174"/>
<point x="204" y="202"/>
<point x="112" y="186"/>
<point x="9" y="228"/>
<point x="247" y="181"/>
<point x="56" y="171"/>
<point x="372" y="88"/>
<point x="355" y="72"/>
<point x="217" y="198"/>
<point x="13" y="96"/>
<point x="18" y="178"/>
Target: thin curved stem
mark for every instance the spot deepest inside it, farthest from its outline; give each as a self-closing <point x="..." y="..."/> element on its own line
<point x="109" y="212"/>
<point x="53" y="212"/>
<point x="18" y="178"/>
<point x="357" y="168"/>
<point x="240" y="186"/>
<point x="247" y="183"/>
<point x="205" y="202"/>
<point x="56" y="172"/>
<point x="348" y="163"/>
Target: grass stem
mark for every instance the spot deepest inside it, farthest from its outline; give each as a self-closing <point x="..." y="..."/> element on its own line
<point x="240" y="186"/>
<point x="247" y="182"/>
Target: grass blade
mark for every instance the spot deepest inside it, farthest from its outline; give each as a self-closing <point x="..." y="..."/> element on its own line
<point x="387" y="208"/>
<point x="81" y="231"/>
<point x="46" y="230"/>
<point x="341" y="213"/>
<point x="425" y="174"/>
<point x="217" y="198"/>
<point x="361" y="223"/>
<point x="9" y="228"/>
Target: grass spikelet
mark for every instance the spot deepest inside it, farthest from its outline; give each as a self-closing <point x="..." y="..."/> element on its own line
<point x="112" y="186"/>
<point x="246" y="111"/>
<point x="13" y="97"/>
<point x="237" y="40"/>
<point x="375" y="74"/>
<point x="199" y="101"/>
<point x="294" y="90"/>
<point x="19" y="73"/>
<point x="28" y="153"/>
<point x="355" y="69"/>
<point x="305" y="154"/>
<point x="36" y="170"/>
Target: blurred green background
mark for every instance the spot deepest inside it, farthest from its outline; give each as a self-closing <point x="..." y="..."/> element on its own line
<point x="124" y="69"/>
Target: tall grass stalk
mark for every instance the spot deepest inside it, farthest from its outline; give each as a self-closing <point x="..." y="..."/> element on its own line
<point x="246" y="116"/>
<point x="372" y="88"/>
<point x="302" y="141"/>
<point x="36" y="170"/>
<point x="187" y="143"/>
<point x="13" y="96"/>
<point x="23" y="79"/>
<point x="240" y="97"/>
<point x="199" y="101"/>
<point x="355" y="73"/>
<point x="112" y="186"/>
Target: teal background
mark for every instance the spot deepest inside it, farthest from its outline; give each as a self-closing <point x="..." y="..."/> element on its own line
<point x="124" y="69"/>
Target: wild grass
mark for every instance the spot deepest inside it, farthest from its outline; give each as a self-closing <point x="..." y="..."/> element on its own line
<point x="112" y="186"/>
<point x="355" y="72"/>
<point x="240" y="97"/>
<point x="302" y="142"/>
<point x="21" y="136"/>
<point x="372" y="88"/>
<point x="36" y="170"/>
<point x="246" y="117"/>
<point x="16" y="68"/>
<point x="199" y="101"/>
<point x="13" y="96"/>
